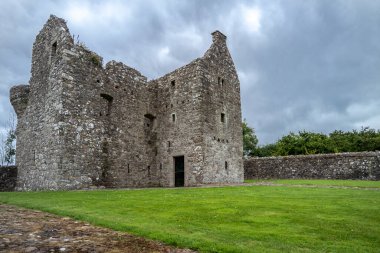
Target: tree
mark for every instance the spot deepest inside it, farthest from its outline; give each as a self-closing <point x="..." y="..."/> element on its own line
<point x="306" y="143"/>
<point x="249" y="139"/>
<point x="265" y="151"/>
<point x="8" y="142"/>
<point x="10" y="147"/>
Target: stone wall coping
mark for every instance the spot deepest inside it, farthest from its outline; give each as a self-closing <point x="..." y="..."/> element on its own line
<point x="317" y="156"/>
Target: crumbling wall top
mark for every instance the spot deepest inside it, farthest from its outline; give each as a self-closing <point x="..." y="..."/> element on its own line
<point x="217" y="36"/>
<point x="121" y="69"/>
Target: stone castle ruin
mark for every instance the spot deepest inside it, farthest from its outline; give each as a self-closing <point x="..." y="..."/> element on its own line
<point x="83" y="125"/>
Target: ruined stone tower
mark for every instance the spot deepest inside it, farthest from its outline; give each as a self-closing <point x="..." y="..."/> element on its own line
<point x="81" y="124"/>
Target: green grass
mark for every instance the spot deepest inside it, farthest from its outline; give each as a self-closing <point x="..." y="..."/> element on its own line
<point x="346" y="183"/>
<point x="229" y="219"/>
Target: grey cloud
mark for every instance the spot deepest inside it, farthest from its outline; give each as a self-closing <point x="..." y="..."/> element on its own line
<point x="309" y="65"/>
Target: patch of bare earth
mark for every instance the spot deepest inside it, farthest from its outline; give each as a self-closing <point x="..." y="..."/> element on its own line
<point x="23" y="230"/>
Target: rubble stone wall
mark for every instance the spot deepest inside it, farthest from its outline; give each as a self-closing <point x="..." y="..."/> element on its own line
<point x="8" y="177"/>
<point x="361" y="165"/>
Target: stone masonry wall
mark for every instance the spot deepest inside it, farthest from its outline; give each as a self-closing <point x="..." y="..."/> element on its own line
<point x="8" y="177"/>
<point x="39" y="131"/>
<point x="221" y="114"/>
<point x="363" y="165"/>
<point x="82" y="124"/>
<point x="179" y="124"/>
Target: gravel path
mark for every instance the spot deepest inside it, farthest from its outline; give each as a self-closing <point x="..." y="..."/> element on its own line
<point x="30" y="231"/>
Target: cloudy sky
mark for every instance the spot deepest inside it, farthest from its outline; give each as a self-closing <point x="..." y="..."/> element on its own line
<point x="303" y="64"/>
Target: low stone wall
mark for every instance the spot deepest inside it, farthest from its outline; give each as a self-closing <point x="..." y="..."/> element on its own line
<point x="363" y="165"/>
<point x="8" y="177"/>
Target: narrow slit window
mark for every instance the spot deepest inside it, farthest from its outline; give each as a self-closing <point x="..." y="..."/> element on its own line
<point x="173" y="83"/>
<point x="54" y="49"/>
<point x="173" y="117"/>
<point x="219" y="79"/>
<point x="222" y="117"/>
<point x="109" y="104"/>
<point x="222" y="82"/>
<point x="226" y="165"/>
<point x="128" y="169"/>
<point x="169" y="144"/>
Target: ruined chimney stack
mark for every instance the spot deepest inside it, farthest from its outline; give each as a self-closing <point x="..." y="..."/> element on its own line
<point x="218" y="37"/>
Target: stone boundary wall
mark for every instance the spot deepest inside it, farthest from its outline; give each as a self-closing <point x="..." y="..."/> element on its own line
<point x="361" y="165"/>
<point x="8" y="178"/>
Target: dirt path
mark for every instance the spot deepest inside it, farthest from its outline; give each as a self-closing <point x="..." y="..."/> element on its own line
<point x="23" y="230"/>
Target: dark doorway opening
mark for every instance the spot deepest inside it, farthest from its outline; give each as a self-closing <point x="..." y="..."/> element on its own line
<point x="179" y="169"/>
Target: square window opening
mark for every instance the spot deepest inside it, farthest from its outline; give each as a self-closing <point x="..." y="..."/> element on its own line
<point x="222" y="117"/>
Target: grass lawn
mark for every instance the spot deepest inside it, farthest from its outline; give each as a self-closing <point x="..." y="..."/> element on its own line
<point x="347" y="183"/>
<point x="229" y="219"/>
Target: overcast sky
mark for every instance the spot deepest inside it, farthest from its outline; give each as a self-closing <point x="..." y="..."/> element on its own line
<point x="303" y="65"/>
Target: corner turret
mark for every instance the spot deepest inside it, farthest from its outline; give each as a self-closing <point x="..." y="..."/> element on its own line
<point x="19" y="96"/>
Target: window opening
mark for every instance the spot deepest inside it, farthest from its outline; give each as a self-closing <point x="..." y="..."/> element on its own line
<point x="218" y="79"/>
<point x="149" y="126"/>
<point x="107" y="97"/>
<point x="173" y="83"/>
<point x="109" y="104"/>
<point x="222" y="117"/>
<point x="128" y="169"/>
<point x="54" y="49"/>
<point x="226" y="165"/>
<point x="149" y="116"/>
<point x="173" y="117"/>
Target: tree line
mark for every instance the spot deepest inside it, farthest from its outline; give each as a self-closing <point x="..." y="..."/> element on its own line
<point x="307" y="143"/>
